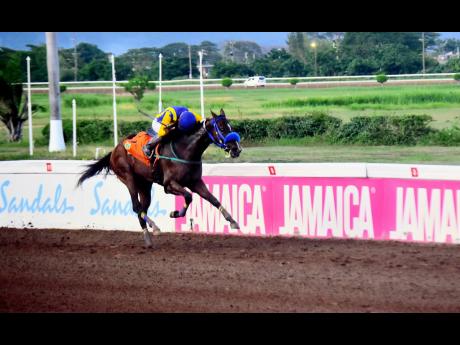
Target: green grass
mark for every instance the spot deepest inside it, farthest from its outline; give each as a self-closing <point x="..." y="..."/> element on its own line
<point x="442" y="102"/>
<point x="281" y="151"/>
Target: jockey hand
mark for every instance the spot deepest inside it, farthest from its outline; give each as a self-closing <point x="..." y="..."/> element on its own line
<point x="171" y="126"/>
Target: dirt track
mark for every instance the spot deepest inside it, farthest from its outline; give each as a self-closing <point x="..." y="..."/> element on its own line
<point x="110" y="271"/>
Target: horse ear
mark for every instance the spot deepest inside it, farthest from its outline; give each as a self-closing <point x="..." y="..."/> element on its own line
<point x="222" y="112"/>
<point x="213" y="114"/>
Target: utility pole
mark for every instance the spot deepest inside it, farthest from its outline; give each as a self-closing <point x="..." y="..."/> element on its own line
<point x="231" y="51"/>
<point x="75" y="59"/>
<point x="190" y="61"/>
<point x="423" y="51"/>
<point x="56" y="142"/>
<point x="160" y="104"/>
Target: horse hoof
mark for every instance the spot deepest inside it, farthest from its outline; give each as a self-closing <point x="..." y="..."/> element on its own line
<point x="174" y="214"/>
<point x="148" y="239"/>
<point x="235" y="226"/>
<point x="156" y="232"/>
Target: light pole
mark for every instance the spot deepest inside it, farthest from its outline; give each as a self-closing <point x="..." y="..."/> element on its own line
<point x="190" y="61"/>
<point x="200" y="54"/>
<point x="29" y="109"/>
<point x="160" y="105"/>
<point x="313" y="45"/>
<point x="115" y="125"/>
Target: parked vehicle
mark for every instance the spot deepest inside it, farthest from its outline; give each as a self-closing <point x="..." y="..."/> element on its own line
<point x="256" y="81"/>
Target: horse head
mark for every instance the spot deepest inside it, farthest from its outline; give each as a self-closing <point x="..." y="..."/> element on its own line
<point x="221" y="134"/>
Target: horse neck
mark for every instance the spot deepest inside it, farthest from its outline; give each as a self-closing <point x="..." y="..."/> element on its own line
<point x="192" y="147"/>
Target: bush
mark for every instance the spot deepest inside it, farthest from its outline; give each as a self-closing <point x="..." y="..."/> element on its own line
<point x="381" y="78"/>
<point x="365" y="130"/>
<point x="384" y="130"/>
<point x="137" y="86"/>
<point x="444" y="137"/>
<point x="227" y="82"/>
<point x="93" y="131"/>
<point x="293" y="81"/>
<point x="62" y="88"/>
<point x="314" y="124"/>
<point x="457" y="76"/>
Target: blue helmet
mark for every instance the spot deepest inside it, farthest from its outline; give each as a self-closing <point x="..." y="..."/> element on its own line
<point x="187" y="121"/>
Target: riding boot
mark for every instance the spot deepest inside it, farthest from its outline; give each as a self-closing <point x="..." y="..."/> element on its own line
<point x="149" y="147"/>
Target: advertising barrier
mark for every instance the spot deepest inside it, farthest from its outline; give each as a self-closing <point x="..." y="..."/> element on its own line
<point x="412" y="203"/>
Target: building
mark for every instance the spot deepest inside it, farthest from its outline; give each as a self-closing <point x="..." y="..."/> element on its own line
<point x="443" y="58"/>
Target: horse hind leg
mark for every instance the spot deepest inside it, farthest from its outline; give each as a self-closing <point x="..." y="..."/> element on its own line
<point x="138" y="209"/>
<point x="145" y="200"/>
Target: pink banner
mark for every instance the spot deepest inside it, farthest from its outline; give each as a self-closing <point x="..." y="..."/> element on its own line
<point x="359" y="208"/>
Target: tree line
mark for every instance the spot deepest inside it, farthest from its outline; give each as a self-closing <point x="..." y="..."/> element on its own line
<point x="306" y="54"/>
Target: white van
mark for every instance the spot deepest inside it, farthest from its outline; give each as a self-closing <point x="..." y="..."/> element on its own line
<point x="255" y="81"/>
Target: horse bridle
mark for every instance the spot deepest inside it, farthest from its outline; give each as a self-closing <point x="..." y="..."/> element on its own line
<point x="221" y="140"/>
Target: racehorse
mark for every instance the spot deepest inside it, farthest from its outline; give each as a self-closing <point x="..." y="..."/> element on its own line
<point x="179" y="167"/>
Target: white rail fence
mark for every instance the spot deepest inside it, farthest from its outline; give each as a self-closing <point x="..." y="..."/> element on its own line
<point x="279" y="81"/>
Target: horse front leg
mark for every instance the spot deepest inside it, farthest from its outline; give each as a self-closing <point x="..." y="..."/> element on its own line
<point x="175" y="188"/>
<point x="201" y="189"/>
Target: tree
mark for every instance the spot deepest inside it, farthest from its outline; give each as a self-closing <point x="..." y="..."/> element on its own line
<point x="212" y="52"/>
<point x="175" y="67"/>
<point x="13" y="111"/>
<point x="136" y="87"/>
<point x="88" y="53"/>
<point x="96" y="70"/>
<point x="297" y="45"/>
<point x="38" y="70"/>
<point x="11" y="66"/>
<point x="391" y="52"/>
<point x="230" y="69"/>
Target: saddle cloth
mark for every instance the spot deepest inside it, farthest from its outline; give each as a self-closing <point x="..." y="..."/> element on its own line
<point x="135" y="144"/>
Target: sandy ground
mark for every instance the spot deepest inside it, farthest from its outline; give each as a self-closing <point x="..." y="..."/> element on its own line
<point x="109" y="271"/>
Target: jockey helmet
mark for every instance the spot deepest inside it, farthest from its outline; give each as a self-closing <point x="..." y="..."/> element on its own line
<point x="187" y="121"/>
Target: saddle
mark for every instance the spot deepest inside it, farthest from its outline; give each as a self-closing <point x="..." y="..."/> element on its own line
<point x="134" y="147"/>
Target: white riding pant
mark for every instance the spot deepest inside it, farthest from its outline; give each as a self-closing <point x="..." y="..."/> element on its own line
<point x="156" y="126"/>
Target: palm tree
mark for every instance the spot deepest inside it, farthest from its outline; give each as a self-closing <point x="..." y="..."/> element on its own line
<point x="13" y="112"/>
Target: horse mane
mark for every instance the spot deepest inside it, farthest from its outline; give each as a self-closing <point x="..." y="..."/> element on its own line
<point x="177" y="134"/>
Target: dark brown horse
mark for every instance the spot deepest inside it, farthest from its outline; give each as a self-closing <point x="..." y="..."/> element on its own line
<point x="179" y="167"/>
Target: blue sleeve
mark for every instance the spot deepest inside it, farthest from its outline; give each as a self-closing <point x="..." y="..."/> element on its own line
<point x="179" y="110"/>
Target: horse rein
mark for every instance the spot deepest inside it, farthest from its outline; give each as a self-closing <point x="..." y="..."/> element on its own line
<point x="220" y="143"/>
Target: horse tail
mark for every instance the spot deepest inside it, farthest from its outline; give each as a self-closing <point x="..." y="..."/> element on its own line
<point x="96" y="168"/>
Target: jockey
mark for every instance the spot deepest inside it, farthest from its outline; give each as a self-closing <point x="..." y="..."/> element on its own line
<point x="167" y="120"/>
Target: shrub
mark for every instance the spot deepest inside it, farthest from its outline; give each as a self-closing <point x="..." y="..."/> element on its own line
<point x="384" y="130"/>
<point x="366" y="130"/>
<point x="63" y="88"/>
<point x="381" y="78"/>
<point x="93" y="131"/>
<point x="137" y="86"/>
<point x="293" y="81"/>
<point x="444" y="137"/>
<point x="457" y="76"/>
<point x="227" y="82"/>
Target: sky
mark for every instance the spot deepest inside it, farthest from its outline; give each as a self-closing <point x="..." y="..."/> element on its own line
<point x="119" y="42"/>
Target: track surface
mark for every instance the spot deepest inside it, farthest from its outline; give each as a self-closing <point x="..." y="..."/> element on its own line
<point x="110" y="271"/>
